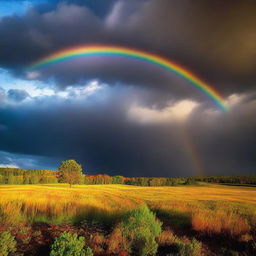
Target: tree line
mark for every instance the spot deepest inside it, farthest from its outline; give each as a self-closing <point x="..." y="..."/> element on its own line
<point x="229" y="179"/>
<point x="71" y="172"/>
<point x="22" y="176"/>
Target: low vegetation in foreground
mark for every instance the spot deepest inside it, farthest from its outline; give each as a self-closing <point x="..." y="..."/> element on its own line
<point x="158" y="216"/>
<point x="202" y="219"/>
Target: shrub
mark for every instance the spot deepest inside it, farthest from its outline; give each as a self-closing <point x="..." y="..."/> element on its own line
<point x="97" y="242"/>
<point x="70" y="245"/>
<point x="116" y="243"/>
<point x="88" y="251"/>
<point x="166" y="238"/>
<point x="140" y="228"/>
<point x="7" y="244"/>
<point x="184" y="247"/>
<point x="189" y="249"/>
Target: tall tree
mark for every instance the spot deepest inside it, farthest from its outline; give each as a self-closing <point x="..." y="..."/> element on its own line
<point x="70" y="172"/>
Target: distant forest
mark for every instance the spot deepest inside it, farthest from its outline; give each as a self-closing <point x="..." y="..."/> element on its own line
<point x="22" y="176"/>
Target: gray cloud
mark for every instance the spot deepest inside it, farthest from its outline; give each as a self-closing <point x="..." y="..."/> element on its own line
<point x="17" y="95"/>
<point x="13" y="160"/>
<point x="215" y="40"/>
<point x="219" y="49"/>
<point x="100" y="135"/>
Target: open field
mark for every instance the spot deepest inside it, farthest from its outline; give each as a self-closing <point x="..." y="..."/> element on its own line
<point x="202" y="211"/>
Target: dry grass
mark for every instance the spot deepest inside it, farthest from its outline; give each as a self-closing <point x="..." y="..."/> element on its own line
<point x="221" y="221"/>
<point x="211" y="209"/>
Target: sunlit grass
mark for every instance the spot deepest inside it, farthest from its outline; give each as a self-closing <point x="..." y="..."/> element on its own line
<point x="210" y="208"/>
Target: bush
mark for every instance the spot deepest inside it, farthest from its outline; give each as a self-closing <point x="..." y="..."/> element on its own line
<point x="116" y="243"/>
<point x="140" y="228"/>
<point x="189" y="249"/>
<point x="184" y="247"/>
<point x="70" y="245"/>
<point x="166" y="238"/>
<point x="97" y="242"/>
<point x="7" y="244"/>
<point x="88" y="251"/>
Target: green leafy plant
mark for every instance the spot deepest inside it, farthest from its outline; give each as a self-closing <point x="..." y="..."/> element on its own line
<point x="189" y="249"/>
<point x="140" y="228"/>
<point x="70" y="245"/>
<point x="7" y="244"/>
<point x="70" y="172"/>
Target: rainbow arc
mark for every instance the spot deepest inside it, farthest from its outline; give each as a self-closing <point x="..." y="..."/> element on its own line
<point x="103" y="50"/>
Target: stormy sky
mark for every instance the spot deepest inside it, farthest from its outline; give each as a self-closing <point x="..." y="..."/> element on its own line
<point x="122" y="116"/>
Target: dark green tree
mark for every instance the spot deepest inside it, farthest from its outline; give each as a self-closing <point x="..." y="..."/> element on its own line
<point x="70" y="172"/>
<point x="117" y="179"/>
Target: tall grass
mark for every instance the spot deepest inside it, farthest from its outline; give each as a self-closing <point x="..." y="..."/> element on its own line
<point x="57" y="205"/>
<point x="220" y="222"/>
<point x="210" y="210"/>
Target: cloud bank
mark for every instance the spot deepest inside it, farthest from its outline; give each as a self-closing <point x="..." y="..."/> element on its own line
<point x="122" y="116"/>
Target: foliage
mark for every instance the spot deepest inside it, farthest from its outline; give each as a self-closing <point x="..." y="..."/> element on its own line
<point x="21" y="176"/>
<point x="97" y="179"/>
<point x="183" y="247"/>
<point x="190" y="181"/>
<point x="70" y="245"/>
<point x="88" y="251"/>
<point x="117" y="243"/>
<point x="154" y="181"/>
<point x="2" y="179"/>
<point x="166" y="238"/>
<point x="229" y="179"/>
<point x="70" y="172"/>
<point x="140" y="228"/>
<point x="97" y="242"/>
<point x="117" y="179"/>
<point x="192" y="248"/>
<point x="34" y="179"/>
<point x="7" y="244"/>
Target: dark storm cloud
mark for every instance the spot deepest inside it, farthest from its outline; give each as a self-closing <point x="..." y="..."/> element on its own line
<point x="13" y="160"/>
<point x="215" y="40"/>
<point x="28" y="37"/>
<point x="227" y="141"/>
<point x="99" y="134"/>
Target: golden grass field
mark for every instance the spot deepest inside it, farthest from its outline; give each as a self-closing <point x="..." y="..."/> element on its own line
<point x="206" y="208"/>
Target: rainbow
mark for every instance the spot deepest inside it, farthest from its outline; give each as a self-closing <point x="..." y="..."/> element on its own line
<point x="102" y="50"/>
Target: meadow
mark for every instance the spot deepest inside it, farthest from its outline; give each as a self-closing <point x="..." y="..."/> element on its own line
<point x="206" y="211"/>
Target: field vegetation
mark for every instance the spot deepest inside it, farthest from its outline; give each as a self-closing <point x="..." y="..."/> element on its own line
<point x="202" y="219"/>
